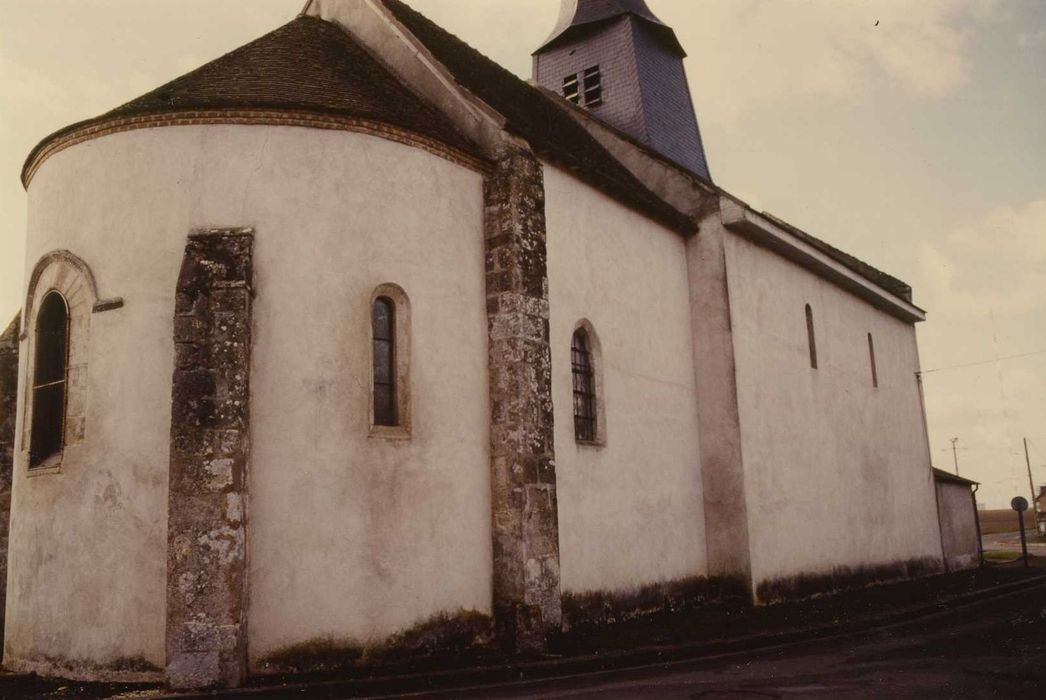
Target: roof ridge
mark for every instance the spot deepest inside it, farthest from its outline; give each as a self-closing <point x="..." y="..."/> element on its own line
<point x="228" y="55"/>
<point x="529" y="113"/>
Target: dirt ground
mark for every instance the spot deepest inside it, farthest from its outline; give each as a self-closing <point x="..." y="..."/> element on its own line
<point x="996" y="521"/>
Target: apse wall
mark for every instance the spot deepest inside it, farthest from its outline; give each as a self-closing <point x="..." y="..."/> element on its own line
<point x="347" y="530"/>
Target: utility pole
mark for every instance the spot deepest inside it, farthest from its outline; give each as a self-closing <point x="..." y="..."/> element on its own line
<point x="1031" y="482"/>
<point x="955" y="455"/>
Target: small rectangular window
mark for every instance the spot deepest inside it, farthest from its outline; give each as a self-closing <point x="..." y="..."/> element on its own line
<point x="811" y="339"/>
<point x="871" y="358"/>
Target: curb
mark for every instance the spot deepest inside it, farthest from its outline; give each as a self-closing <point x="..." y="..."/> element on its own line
<point x="458" y="679"/>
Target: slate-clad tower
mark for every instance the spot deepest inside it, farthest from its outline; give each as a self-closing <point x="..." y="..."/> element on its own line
<point x="618" y="60"/>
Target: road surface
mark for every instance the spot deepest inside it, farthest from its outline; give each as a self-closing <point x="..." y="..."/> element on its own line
<point x="994" y="649"/>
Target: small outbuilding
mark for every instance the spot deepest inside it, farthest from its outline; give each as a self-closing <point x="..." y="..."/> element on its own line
<point x="960" y="523"/>
<point x="1040" y="509"/>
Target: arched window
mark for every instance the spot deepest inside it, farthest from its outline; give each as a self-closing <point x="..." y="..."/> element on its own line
<point x="390" y="404"/>
<point x="49" y="379"/>
<point x="811" y="339"/>
<point x="383" y="321"/>
<point x="585" y="414"/>
<point x="871" y="359"/>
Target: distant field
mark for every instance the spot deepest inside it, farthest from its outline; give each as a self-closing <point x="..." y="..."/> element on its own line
<point x="993" y="521"/>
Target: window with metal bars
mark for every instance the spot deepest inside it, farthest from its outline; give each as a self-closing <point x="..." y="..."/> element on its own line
<point x="383" y="322"/>
<point x="49" y="379"/>
<point x="584" y="387"/>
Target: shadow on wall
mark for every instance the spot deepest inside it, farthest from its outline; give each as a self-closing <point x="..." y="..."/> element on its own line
<point x="8" y="404"/>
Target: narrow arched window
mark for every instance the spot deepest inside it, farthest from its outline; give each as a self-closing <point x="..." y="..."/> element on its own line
<point x="871" y="359"/>
<point x="49" y="379"/>
<point x="383" y="321"/>
<point x="811" y="339"/>
<point x="584" y="387"/>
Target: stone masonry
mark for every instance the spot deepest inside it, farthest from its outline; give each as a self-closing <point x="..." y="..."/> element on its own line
<point x="525" y="524"/>
<point x="8" y="398"/>
<point x="210" y="421"/>
<point x="8" y="410"/>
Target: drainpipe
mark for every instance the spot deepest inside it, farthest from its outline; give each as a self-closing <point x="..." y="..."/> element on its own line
<point x="977" y="520"/>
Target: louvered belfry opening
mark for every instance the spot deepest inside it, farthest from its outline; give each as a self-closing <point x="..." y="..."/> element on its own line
<point x="383" y="319"/>
<point x="49" y="379"/>
<point x="584" y="388"/>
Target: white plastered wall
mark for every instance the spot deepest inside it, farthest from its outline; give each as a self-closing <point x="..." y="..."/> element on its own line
<point x="958" y="517"/>
<point x="630" y="511"/>
<point x="351" y="537"/>
<point x="837" y="471"/>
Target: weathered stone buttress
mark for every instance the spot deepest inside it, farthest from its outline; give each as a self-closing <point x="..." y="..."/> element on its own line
<point x="210" y="448"/>
<point x="9" y="349"/>
<point x="527" y="602"/>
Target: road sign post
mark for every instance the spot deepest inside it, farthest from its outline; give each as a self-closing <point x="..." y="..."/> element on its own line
<point x="1020" y="505"/>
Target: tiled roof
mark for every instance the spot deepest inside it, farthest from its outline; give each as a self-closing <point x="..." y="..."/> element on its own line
<point x="531" y="114"/>
<point x="891" y="284"/>
<point x="307" y="65"/>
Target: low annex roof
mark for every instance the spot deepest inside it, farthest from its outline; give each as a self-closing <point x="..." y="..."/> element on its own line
<point x="306" y="65"/>
<point x="898" y="288"/>
<point x="941" y="475"/>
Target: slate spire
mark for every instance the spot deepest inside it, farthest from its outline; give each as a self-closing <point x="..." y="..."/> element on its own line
<point x="617" y="59"/>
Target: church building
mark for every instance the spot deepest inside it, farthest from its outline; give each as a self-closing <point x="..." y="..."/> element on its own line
<point x="351" y="336"/>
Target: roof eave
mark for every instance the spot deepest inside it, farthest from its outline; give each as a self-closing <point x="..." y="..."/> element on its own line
<point x="568" y="34"/>
<point x="941" y="475"/>
<point x="740" y="218"/>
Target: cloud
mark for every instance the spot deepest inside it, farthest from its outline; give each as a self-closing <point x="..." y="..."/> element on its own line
<point x="985" y="286"/>
<point x="997" y="262"/>
<point x="828" y="49"/>
<point x="1029" y="40"/>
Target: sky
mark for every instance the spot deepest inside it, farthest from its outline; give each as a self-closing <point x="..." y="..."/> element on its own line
<point x="910" y="134"/>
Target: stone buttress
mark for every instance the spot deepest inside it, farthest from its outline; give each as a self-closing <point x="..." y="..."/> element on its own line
<point x="527" y="604"/>
<point x="210" y="422"/>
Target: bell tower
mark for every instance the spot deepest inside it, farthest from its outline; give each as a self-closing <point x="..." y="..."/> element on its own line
<point x="616" y="59"/>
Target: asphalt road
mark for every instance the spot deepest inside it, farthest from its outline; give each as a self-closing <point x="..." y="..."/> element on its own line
<point x="994" y="649"/>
